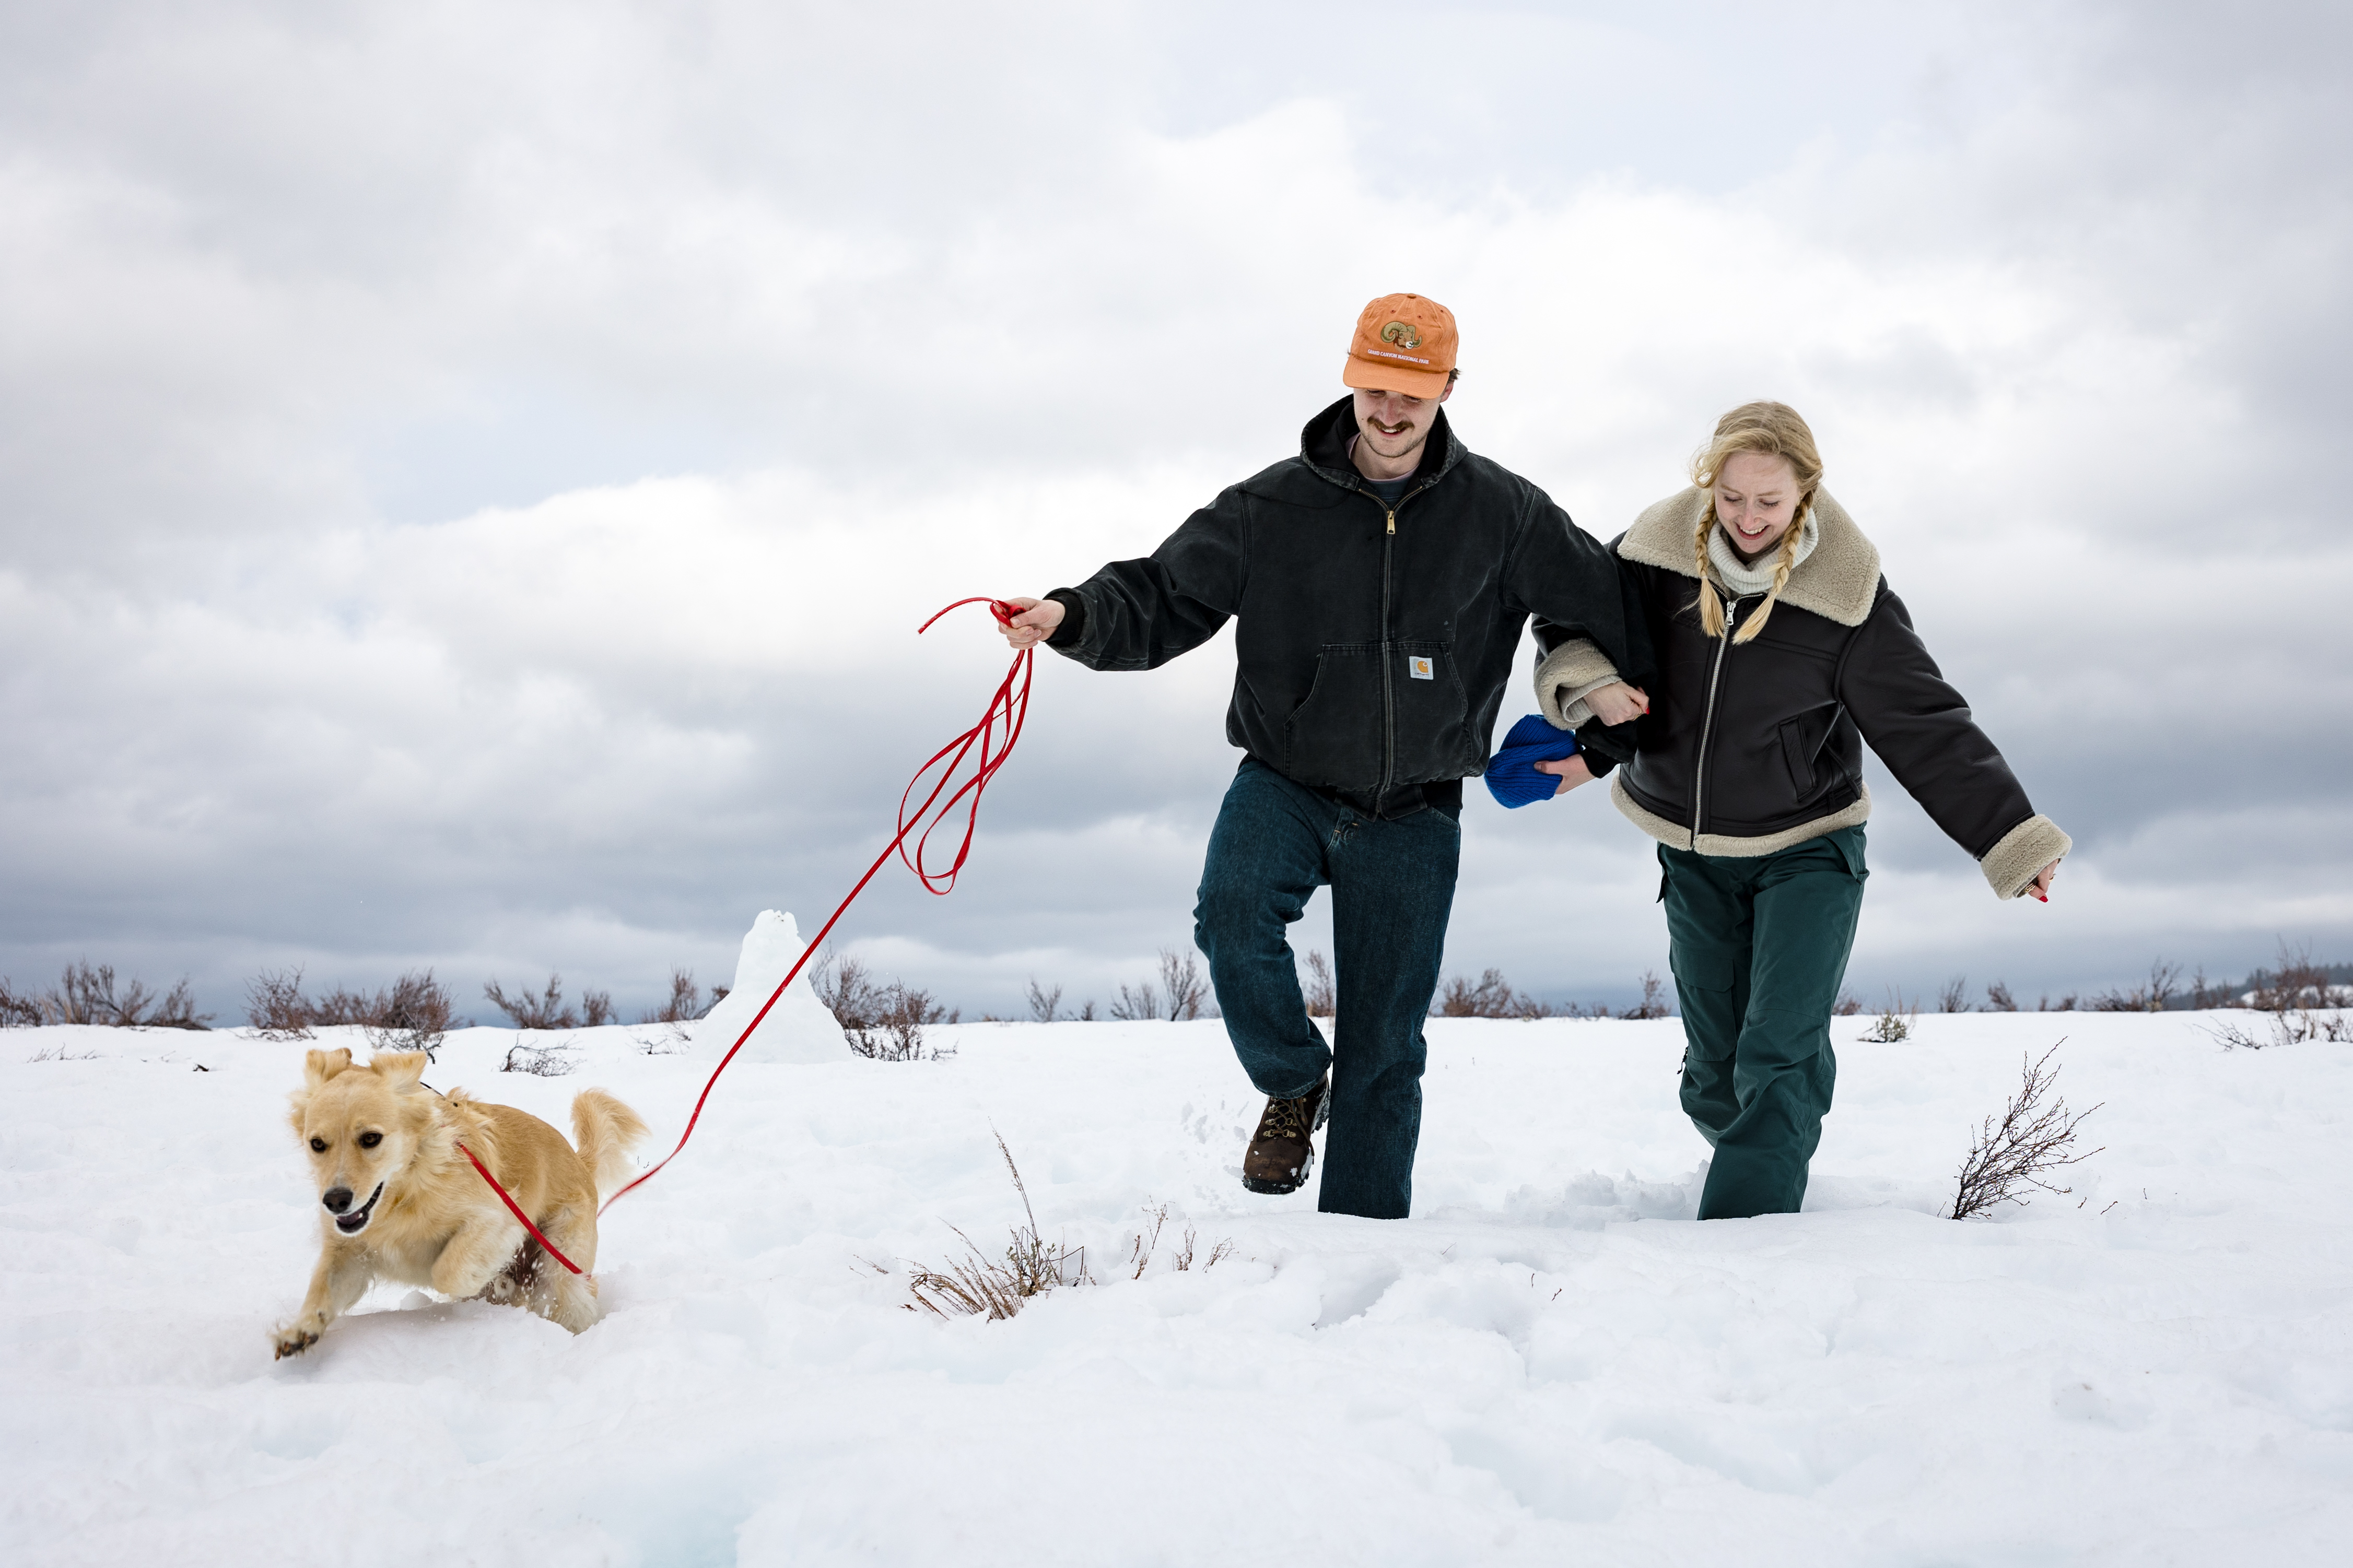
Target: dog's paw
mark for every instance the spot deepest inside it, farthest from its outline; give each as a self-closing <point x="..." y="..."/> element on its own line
<point x="292" y="1341"/>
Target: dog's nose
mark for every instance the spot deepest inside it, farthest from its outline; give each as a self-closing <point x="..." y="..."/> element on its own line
<point x="337" y="1199"/>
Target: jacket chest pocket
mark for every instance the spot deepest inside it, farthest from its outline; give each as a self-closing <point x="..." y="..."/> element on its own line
<point x="1432" y="711"/>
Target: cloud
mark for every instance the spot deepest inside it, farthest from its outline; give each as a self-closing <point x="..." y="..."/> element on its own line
<point x="474" y="472"/>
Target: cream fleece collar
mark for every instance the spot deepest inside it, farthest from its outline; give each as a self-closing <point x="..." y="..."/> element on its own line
<point x="1838" y="577"/>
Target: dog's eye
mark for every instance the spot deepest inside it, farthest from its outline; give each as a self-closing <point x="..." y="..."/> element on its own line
<point x="318" y="1145"/>
<point x="370" y="1140"/>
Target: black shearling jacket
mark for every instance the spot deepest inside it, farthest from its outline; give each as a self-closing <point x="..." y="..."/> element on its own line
<point x="1372" y="643"/>
<point x="1749" y="748"/>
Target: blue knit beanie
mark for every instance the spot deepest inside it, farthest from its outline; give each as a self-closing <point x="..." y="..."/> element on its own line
<point x="1512" y="777"/>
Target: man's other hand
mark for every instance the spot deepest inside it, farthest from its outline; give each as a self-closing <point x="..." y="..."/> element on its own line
<point x="1618" y="703"/>
<point x="1037" y="621"/>
<point x="1571" y="770"/>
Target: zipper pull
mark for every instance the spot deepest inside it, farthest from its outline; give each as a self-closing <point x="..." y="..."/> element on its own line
<point x="1392" y="520"/>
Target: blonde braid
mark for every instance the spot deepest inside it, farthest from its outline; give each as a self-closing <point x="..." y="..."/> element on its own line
<point x="1781" y="570"/>
<point x="1711" y="607"/>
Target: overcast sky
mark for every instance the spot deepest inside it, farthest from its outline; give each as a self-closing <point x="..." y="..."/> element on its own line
<point x="471" y="473"/>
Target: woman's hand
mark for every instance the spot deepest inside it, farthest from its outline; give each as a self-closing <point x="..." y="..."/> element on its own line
<point x="1617" y="703"/>
<point x="2038" y="888"/>
<point x="1571" y="771"/>
<point x="1037" y="621"/>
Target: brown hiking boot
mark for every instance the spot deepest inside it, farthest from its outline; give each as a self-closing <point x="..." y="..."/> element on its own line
<point x="1279" y="1155"/>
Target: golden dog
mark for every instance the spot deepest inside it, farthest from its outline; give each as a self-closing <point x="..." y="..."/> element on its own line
<point x="401" y="1200"/>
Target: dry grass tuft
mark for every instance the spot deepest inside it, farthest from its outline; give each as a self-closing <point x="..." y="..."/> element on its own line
<point x="982" y="1286"/>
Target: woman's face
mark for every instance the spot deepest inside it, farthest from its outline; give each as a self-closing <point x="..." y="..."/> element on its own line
<point x="1756" y="497"/>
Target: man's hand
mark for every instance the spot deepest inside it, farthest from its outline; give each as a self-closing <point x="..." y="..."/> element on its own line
<point x="2039" y="888"/>
<point x="1617" y="703"/>
<point x="1036" y="620"/>
<point x="1571" y="770"/>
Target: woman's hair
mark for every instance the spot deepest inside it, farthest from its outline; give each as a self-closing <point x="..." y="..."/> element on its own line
<point x="1772" y="430"/>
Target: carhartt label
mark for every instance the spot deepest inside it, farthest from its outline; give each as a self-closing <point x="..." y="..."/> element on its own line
<point x="1417" y="666"/>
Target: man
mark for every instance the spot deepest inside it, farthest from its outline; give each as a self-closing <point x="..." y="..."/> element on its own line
<point x="1380" y="581"/>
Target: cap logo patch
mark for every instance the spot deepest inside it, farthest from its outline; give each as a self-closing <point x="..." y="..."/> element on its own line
<point x="1402" y="334"/>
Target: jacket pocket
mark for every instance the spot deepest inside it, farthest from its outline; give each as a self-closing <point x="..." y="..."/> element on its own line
<point x="1334" y="736"/>
<point x="1801" y="748"/>
<point x="1433" y="714"/>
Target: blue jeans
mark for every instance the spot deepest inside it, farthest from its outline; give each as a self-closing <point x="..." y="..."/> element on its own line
<point x="1392" y="889"/>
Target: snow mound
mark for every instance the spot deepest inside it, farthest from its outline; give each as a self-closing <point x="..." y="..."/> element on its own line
<point x="798" y="1029"/>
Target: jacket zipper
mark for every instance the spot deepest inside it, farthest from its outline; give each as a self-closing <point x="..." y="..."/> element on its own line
<point x="1388" y="675"/>
<point x="1707" y="723"/>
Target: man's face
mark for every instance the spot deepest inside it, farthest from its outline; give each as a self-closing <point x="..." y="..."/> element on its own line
<point x="1394" y="424"/>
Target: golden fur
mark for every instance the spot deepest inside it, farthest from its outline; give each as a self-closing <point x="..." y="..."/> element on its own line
<point x="384" y="1150"/>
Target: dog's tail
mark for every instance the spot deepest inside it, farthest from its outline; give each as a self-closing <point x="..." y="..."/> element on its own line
<point x="605" y="1131"/>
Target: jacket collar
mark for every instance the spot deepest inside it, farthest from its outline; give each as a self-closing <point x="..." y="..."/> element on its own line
<point x="1839" y="581"/>
<point x="1323" y="446"/>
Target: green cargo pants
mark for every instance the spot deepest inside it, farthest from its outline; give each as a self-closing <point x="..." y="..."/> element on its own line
<point x="1758" y="948"/>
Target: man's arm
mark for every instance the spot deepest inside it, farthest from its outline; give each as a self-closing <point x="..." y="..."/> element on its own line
<point x="1139" y="615"/>
<point x="1595" y="649"/>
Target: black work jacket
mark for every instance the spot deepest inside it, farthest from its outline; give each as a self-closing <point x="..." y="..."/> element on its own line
<point x="1751" y="740"/>
<point x="1373" y="642"/>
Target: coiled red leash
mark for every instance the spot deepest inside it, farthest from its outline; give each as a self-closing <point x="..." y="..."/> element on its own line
<point x="1007" y="711"/>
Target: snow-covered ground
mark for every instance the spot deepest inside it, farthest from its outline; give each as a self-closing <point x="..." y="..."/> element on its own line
<point x="1548" y="1364"/>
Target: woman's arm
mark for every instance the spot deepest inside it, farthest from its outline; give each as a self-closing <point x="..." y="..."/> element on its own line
<point x="1924" y="731"/>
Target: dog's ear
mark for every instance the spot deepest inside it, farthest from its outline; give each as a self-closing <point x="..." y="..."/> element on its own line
<point x="402" y="1070"/>
<point x="317" y="1067"/>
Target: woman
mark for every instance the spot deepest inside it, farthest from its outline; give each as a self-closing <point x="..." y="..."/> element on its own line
<point x="1781" y="650"/>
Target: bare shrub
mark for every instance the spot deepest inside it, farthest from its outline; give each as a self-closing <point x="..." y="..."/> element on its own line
<point x="1045" y="1005"/>
<point x="2297" y="983"/>
<point x="1998" y="999"/>
<point x="2205" y="996"/>
<point x="1139" y="1004"/>
<point x="1086" y="1013"/>
<point x="2146" y="997"/>
<point x="529" y="1009"/>
<point x="1896" y="1021"/>
<point x="2031" y="1142"/>
<point x="979" y="1286"/>
<point x="884" y="1022"/>
<point x="685" y="1002"/>
<point x="1492" y="996"/>
<point x="275" y="1005"/>
<point x="2297" y="995"/>
<point x="2067" y="1005"/>
<point x="595" y="1008"/>
<point x="17" y="1009"/>
<point x="1953" y="995"/>
<point x="1182" y="982"/>
<point x="1322" y="998"/>
<point x="61" y="1054"/>
<point x="895" y="1032"/>
<point x="1653" y="1003"/>
<point x="539" y="1061"/>
<point x="415" y="1014"/>
<point x="86" y="994"/>
<point x="1847" y="1005"/>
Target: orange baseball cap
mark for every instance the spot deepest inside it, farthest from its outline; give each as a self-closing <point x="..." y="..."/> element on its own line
<point x="1403" y="343"/>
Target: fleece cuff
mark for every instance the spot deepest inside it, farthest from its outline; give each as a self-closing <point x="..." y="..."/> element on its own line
<point x="2022" y="853"/>
<point x="1569" y="674"/>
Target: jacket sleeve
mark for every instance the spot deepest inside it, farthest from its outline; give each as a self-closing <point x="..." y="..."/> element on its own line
<point x="1590" y="628"/>
<point x="1924" y="731"/>
<point x="1139" y="615"/>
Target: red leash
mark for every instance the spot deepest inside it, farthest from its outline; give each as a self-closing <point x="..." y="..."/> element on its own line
<point x="1007" y="711"/>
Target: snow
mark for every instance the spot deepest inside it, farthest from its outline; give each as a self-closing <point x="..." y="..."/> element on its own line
<point x="1549" y="1362"/>
<point x="797" y="1029"/>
